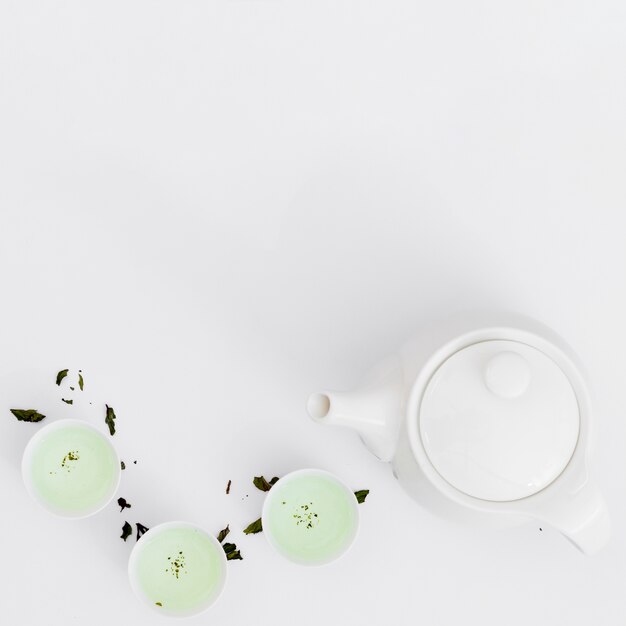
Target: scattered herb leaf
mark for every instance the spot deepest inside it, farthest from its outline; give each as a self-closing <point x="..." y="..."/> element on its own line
<point x="123" y="504"/>
<point x="72" y="389"/>
<point x="261" y="483"/>
<point x="228" y="487"/>
<point x="123" y="465"/>
<point x="27" y="415"/>
<point x="61" y="375"/>
<point x="141" y="529"/>
<point x="222" y="534"/>
<point x="361" y="495"/>
<point x="67" y="401"/>
<point x="127" y="531"/>
<point x="254" y="528"/>
<point x="135" y="462"/>
<point x="232" y="554"/>
<point x="158" y="604"/>
<point x="264" y="485"/>
<point x="81" y="382"/>
<point x="110" y="420"/>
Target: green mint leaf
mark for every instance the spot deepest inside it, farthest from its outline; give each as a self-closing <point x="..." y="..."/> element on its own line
<point x="361" y="495"/>
<point x="141" y="529"/>
<point x="123" y="504"/>
<point x="223" y="534"/>
<point x="81" y="382"/>
<point x="254" y="528"/>
<point x="61" y="375"/>
<point x="27" y="415"/>
<point x="110" y="419"/>
<point x="127" y="531"/>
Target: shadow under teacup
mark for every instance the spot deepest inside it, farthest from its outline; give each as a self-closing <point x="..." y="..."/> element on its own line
<point x="310" y="517"/>
<point x="71" y="468"/>
<point x="178" y="569"/>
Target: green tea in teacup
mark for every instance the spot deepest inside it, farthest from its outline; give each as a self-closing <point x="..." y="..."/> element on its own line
<point x="71" y="468"/>
<point x="310" y="517"/>
<point x="178" y="569"/>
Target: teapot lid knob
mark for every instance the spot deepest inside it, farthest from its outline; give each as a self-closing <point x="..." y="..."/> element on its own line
<point x="507" y="374"/>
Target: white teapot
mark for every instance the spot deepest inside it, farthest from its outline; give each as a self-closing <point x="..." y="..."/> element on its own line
<point x="484" y="420"/>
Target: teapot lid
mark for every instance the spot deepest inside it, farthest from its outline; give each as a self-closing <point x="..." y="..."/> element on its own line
<point x="499" y="420"/>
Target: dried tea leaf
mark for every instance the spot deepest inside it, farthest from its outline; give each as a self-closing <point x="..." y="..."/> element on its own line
<point x="141" y="529"/>
<point x="81" y="382"/>
<point x="110" y="419"/>
<point x="127" y="531"/>
<point x="27" y="415"/>
<point x="232" y="554"/>
<point x="123" y="504"/>
<point x="254" y="528"/>
<point x="67" y="401"/>
<point x="262" y="484"/>
<point x="223" y="534"/>
<point x="123" y="465"/>
<point x="158" y="603"/>
<point x="361" y="495"/>
<point x="61" y="375"/>
<point x="228" y="487"/>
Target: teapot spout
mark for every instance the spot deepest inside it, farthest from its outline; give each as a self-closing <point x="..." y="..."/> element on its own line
<point x="373" y="411"/>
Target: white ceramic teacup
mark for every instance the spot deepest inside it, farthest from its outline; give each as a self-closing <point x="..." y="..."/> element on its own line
<point x="71" y="468"/>
<point x="310" y="517"/>
<point x="177" y="569"/>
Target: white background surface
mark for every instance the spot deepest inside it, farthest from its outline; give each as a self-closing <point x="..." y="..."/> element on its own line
<point x="214" y="208"/>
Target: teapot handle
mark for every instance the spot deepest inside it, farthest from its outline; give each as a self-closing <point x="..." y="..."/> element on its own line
<point x="581" y="516"/>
